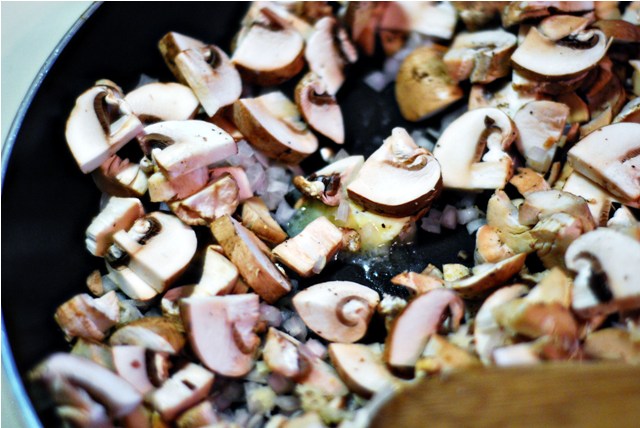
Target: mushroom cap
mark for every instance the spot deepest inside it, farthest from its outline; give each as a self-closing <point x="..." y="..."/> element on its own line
<point x="616" y="168"/>
<point x="398" y="179"/>
<point x="557" y="27"/>
<point x="162" y="101"/>
<point x="171" y="44"/>
<point x="220" y="331"/>
<point x="490" y="277"/>
<point x="560" y="61"/>
<point x="338" y="311"/>
<point x="319" y="109"/>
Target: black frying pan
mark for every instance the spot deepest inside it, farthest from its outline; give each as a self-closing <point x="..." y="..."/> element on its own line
<point x="48" y="203"/>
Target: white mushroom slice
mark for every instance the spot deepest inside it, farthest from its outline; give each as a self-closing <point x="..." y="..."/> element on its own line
<point x="118" y="214"/>
<point x="542" y="204"/>
<point x="155" y="333"/>
<point x="398" y="179"/>
<point x="131" y="365"/>
<point x="159" y="247"/>
<point x="527" y="181"/>
<point x="412" y="329"/>
<point x="612" y="344"/>
<point x="272" y="124"/>
<point x="100" y="123"/>
<point x="482" y="56"/>
<point x="558" y="27"/>
<point x="503" y="216"/>
<point x="130" y="283"/>
<point x="607" y="264"/>
<point x="363" y="19"/>
<point x="338" y="311"/>
<point x="220" y="330"/>
<point x="423" y="86"/>
<point x="442" y="356"/>
<point x="598" y="199"/>
<point x="487" y="333"/>
<point x="491" y="276"/>
<point x="181" y="391"/>
<point x="537" y="319"/>
<point x="507" y="98"/>
<point x="308" y="252"/>
<point x="86" y="317"/>
<point x="428" y="18"/>
<point x="257" y="218"/>
<point x="217" y="199"/>
<point x="554" y="287"/>
<point x="319" y="108"/>
<point x="580" y="53"/>
<point x="118" y="177"/>
<point x="329" y="184"/>
<point x="540" y="125"/>
<point x="239" y="176"/>
<point x="219" y="275"/>
<point x="211" y="75"/>
<point x="269" y="54"/>
<point x="172" y="44"/>
<point x="361" y="368"/>
<point x="630" y="112"/>
<point x="115" y="393"/>
<point x="163" y="189"/>
<point x="461" y="150"/>
<point x="186" y="145"/>
<point x="616" y="168"/>
<point x="162" y="101"/>
<point x="246" y="251"/>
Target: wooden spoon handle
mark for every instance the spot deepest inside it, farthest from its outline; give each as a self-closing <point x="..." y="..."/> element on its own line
<point x="585" y="395"/>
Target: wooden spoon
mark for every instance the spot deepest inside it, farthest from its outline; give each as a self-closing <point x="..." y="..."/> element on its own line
<point x="584" y="395"/>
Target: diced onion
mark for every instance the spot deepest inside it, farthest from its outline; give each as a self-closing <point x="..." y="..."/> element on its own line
<point x="465" y="215"/>
<point x="376" y="81"/>
<point x="474" y="225"/>
<point x="449" y="219"/>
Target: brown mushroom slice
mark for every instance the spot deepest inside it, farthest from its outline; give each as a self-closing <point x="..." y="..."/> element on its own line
<point x="338" y="311"/>
<point x="172" y="44"/>
<point x="417" y="283"/>
<point x="115" y="393"/>
<point x="527" y="181"/>
<point x="516" y="12"/>
<point x="537" y="319"/>
<point x="487" y="332"/>
<point x="163" y="189"/>
<point x="630" y="112"/>
<point x="218" y="198"/>
<point x="220" y="331"/>
<point x="272" y="124"/>
<point x="489" y="247"/>
<point x="308" y="252"/>
<point x="181" y="391"/>
<point x="578" y="109"/>
<point x="87" y="317"/>
<point x="319" y="108"/>
<point x="460" y="150"/>
<point x="607" y="265"/>
<point x="219" y="275"/>
<point x="557" y="27"/>
<point x="245" y="250"/>
<point x="211" y="75"/>
<point x="490" y="276"/>
<point x="162" y="101"/>
<point x="117" y="214"/>
<point x="423" y="86"/>
<point x="159" y="247"/>
<point x="562" y="60"/>
<point x="598" y="199"/>
<point x="482" y="56"/>
<point x="99" y="125"/>
<point x="612" y="344"/>
<point x="477" y="14"/>
<point x="540" y="125"/>
<point x="398" y="179"/>
<point x="506" y="97"/>
<point x="257" y="218"/>
<point x="615" y="169"/>
<point x="329" y="183"/>
<point x="186" y="145"/>
<point x="502" y="214"/>
<point x="328" y="51"/>
<point x="428" y="18"/>
<point x="363" y="18"/>
<point x="239" y="176"/>
<point x="416" y="324"/>
<point x="155" y="333"/>
<point x="442" y="356"/>
<point x="542" y="204"/>
<point x="130" y="364"/>
<point x="118" y="177"/>
<point x="361" y="368"/>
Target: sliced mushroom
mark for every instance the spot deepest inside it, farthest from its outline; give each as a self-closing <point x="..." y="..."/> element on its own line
<point x="489" y="247"/>
<point x="245" y="250"/>
<point x="502" y="214"/>
<point x="155" y="333"/>
<point x="460" y="150"/>
<point x="86" y="317"/>
<point x="170" y="303"/>
<point x="219" y="275"/>
<point x="612" y="344"/>
<point x="363" y="18"/>
<point x="540" y="125"/>
<point x="398" y="179"/>
<point x="163" y="189"/>
<point x="361" y="368"/>
<point x="99" y="125"/>
<point x="329" y="184"/>
<point x="130" y="283"/>
<point x="542" y="204"/>
<point x="598" y="199"/>
<point x="417" y="283"/>
<point x="257" y="218"/>
<point x="423" y="86"/>
<point x="488" y="277"/>
<point x="272" y="124"/>
<point x="428" y="18"/>
<point x="211" y="75"/>
<point x="482" y="56"/>
<point x="630" y="112"/>
<point x="516" y="12"/>
<point x="527" y="181"/>
<point x="478" y="14"/>
<point x="521" y="354"/>
<point x="416" y="324"/>
<point x="239" y="176"/>
<point x="442" y="356"/>
<point x="616" y="169"/>
<point x="97" y="352"/>
<point x="553" y="234"/>
<point x="328" y="51"/>
<point x="200" y="415"/>
<point x="554" y="287"/>
<point x="308" y="252"/>
<point x="159" y="247"/>
<point x="563" y="59"/>
<point x="537" y="319"/>
<point x="220" y="197"/>
<point x="117" y="214"/>
<point x="115" y="393"/>
<point x="130" y="364"/>
<point x="338" y="311"/>
<point x="557" y="27"/>
<point x="607" y="265"/>
<point x="181" y="146"/>
<point x="578" y="109"/>
<point x="220" y="331"/>
<point x="506" y="97"/>
<point x="118" y="177"/>
<point x="181" y="391"/>
<point x="172" y="44"/>
<point x="162" y="101"/>
<point x="319" y="108"/>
